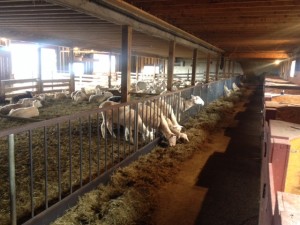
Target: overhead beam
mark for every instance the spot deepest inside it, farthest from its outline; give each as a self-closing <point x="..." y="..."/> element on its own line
<point x="122" y="13"/>
<point x="258" y="55"/>
<point x="221" y="6"/>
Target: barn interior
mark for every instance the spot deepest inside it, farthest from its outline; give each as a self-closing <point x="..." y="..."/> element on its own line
<point x="50" y="46"/>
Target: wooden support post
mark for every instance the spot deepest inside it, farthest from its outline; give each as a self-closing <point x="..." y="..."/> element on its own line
<point x="281" y="69"/>
<point x="194" y="66"/>
<point x="136" y="68"/>
<point x="217" y="67"/>
<point x="228" y="69"/>
<point x="71" y="71"/>
<point x="233" y="64"/>
<point x="39" y="87"/>
<point x="126" y="62"/>
<point x="142" y="66"/>
<point x="224" y="68"/>
<point x="207" y="68"/>
<point x="171" y="65"/>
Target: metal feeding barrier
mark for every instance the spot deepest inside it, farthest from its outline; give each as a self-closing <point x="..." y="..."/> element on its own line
<point x="46" y="165"/>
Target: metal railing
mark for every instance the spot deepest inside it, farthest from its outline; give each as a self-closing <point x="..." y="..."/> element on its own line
<point x="46" y="165"/>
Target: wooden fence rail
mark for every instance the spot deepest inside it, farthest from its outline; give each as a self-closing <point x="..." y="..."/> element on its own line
<point x="10" y="88"/>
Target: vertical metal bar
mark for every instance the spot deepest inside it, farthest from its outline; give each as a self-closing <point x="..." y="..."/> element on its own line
<point x="80" y="153"/>
<point x="58" y="161"/>
<point x="178" y="110"/>
<point x="98" y="146"/>
<point x="31" y="172"/>
<point x="124" y="142"/>
<point x="70" y="157"/>
<point x="105" y="141"/>
<point x="129" y="128"/>
<point x="150" y="125"/>
<point x="46" y="167"/>
<point x="143" y="119"/>
<point x="146" y="118"/>
<point x="136" y="115"/>
<point x="12" y="179"/>
<point x="112" y="139"/>
<point x="119" y="159"/>
<point x="90" y="153"/>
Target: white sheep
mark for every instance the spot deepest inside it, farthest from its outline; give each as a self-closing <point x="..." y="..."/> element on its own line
<point x="185" y="104"/>
<point x="6" y="108"/>
<point x="60" y="95"/>
<point x="227" y="91"/>
<point x="27" y="112"/>
<point x="153" y="118"/>
<point x="27" y="101"/>
<point x="99" y="98"/>
<point x="126" y="118"/>
<point x="179" y="135"/>
<point x="235" y="87"/>
<point x="79" y="96"/>
<point x="168" y="112"/>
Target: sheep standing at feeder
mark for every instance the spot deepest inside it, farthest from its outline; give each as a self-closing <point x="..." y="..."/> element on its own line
<point x="227" y="91"/>
<point x="125" y="116"/>
<point x="179" y="135"/>
<point x="27" y="112"/>
<point x="235" y="87"/>
<point x="153" y="118"/>
<point x="168" y="112"/>
<point x="185" y="104"/>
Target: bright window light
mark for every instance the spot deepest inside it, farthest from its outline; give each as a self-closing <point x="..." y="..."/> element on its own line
<point x="24" y="60"/>
<point x="292" y="70"/>
<point x="276" y="62"/>
<point x="49" y="70"/>
<point x="102" y="63"/>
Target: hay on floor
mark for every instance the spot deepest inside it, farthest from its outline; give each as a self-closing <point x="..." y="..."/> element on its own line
<point x="130" y="196"/>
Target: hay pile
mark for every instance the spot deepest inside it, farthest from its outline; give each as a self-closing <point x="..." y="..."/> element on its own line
<point x="130" y="196"/>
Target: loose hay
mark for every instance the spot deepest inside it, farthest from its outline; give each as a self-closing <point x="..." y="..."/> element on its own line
<point x="130" y="196"/>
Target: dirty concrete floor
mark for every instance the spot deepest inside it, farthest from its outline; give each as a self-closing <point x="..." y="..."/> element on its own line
<point x="220" y="186"/>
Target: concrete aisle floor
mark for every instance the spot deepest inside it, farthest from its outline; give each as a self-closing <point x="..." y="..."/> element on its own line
<point x="220" y="186"/>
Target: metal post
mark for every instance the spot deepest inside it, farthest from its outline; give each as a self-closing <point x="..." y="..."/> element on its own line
<point x="12" y="179"/>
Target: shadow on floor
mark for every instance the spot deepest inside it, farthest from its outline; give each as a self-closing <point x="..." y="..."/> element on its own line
<point x="233" y="177"/>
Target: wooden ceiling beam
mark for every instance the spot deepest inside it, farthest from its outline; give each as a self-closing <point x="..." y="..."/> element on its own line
<point x="187" y="4"/>
<point x="258" y="55"/>
<point x="232" y="20"/>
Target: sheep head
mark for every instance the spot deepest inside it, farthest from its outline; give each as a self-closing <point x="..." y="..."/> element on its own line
<point x="197" y="100"/>
<point x="172" y="140"/>
<point x="37" y="103"/>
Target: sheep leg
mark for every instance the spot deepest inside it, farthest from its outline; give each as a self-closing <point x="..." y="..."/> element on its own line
<point x="167" y="132"/>
<point x="177" y="132"/>
<point x="103" y="128"/>
<point x="144" y="130"/>
<point x="109" y="126"/>
<point x="175" y="124"/>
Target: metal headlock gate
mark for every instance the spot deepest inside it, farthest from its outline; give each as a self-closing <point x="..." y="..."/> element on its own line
<point x="47" y="165"/>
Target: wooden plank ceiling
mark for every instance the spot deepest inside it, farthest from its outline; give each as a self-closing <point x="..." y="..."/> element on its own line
<point x="94" y="24"/>
<point x="249" y="29"/>
<point x="244" y="29"/>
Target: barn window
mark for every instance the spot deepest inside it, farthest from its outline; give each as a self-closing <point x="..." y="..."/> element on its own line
<point x="293" y="67"/>
<point x="24" y="60"/>
<point x="49" y="62"/>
